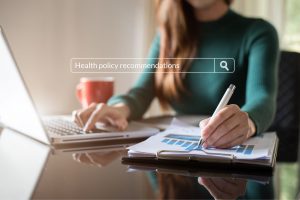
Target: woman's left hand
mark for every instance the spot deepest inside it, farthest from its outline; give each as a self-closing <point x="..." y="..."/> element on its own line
<point x="228" y="128"/>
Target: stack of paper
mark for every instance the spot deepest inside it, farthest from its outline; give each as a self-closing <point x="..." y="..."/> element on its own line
<point x="180" y="141"/>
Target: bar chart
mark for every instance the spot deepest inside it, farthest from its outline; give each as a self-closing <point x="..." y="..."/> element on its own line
<point x="190" y="142"/>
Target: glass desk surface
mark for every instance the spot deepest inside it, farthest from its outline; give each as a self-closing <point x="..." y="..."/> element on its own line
<point x="30" y="169"/>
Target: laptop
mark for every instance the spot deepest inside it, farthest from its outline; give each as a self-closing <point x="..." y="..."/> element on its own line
<point x="18" y="111"/>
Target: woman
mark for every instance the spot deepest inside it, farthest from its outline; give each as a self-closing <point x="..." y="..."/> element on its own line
<point x="204" y="29"/>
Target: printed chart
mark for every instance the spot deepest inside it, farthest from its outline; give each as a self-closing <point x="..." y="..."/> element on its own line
<point x="190" y="142"/>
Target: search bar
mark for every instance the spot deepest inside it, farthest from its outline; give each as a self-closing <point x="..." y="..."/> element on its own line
<point x="214" y="65"/>
<point x="150" y="65"/>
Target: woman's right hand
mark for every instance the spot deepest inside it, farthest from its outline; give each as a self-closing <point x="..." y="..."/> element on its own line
<point x="224" y="188"/>
<point x="115" y="115"/>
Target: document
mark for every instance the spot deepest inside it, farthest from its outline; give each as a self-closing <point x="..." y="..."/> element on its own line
<point x="180" y="141"/>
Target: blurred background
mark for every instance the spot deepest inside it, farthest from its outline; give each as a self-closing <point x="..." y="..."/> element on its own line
<point x="45" y="34"/>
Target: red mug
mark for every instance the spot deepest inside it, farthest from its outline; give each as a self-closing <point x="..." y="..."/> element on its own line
<point x="94" y="90"/>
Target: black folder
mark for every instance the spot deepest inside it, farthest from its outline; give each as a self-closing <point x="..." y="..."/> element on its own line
<point x="226" y="163"/>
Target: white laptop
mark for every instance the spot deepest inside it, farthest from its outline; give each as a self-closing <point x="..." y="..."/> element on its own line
<point x="18" y="112"/>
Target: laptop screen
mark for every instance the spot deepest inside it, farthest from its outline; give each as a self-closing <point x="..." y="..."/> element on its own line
<point x="16" y="107"/>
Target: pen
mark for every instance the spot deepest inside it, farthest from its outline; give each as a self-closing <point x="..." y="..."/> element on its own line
<point x="226" y="97"/>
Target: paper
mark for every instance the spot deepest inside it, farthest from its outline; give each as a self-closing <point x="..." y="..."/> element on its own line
<point x="184" y="138"/>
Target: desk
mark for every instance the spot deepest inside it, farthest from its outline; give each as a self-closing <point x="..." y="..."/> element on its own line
<point x="31" y="169"/>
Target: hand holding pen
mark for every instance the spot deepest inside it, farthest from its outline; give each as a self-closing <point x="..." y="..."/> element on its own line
<point x="229" y="125"/>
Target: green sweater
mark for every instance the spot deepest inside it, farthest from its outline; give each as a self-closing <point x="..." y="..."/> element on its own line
<point x="253" y="43"/>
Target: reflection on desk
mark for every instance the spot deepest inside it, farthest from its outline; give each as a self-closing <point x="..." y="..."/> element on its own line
<point x="179" y="182"/>
<point x="31" y="169"/>
<point x="182" y="187"/>
<point x="22" y="162"/>
<point x="224" y="188"/>
<point x="99" y="159"/>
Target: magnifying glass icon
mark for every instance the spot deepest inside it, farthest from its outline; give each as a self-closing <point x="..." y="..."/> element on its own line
<point x="223" y="65"/>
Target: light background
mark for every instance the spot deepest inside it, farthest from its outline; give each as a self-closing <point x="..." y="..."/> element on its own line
<point x="46" y="34"/>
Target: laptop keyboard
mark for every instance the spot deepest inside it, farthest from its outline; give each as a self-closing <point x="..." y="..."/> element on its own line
<point x="63" y="127"/>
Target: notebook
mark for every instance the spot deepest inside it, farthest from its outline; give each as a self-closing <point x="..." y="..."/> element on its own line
<point x="179" y="144"/>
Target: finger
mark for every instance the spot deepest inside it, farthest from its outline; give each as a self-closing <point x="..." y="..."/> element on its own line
<point x="204" y="122"/>
<point x="121" y="124"/>
<point x="96" y="115"/>
<point x="81" y="158"/>
<point x="234" y="187"/>
<point x="75" y="118"/>
<point x="115" y="123"/>
<point x="212" y="188"/>
<point x="85" y="158"/>
<point x="230" y="181"/>
<point x="200" y="180"/>
<point x="79" y="121"/>
<point x="223" y="129"/>
<point x="219" y="118"/>
<point x="116" y="119"/>
<point x="103" y="159"/>
<point x="241" y="119"/>
<point x="227" y="183"/>
<point x="231" y="188"/>
<point x="84" y="114"/>
<point x="106" y="114"/>
<point x="92" y="161"/>
<point x="236" y="137"/>
<point x="238" y="141"/>
<point x="76" y="156"/>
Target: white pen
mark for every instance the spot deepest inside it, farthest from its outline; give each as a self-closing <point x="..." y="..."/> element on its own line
<point x="224" y="101"/>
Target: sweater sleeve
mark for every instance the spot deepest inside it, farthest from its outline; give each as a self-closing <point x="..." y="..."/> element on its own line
<point x="262" y="76"/>
<point x="140" y="96"/>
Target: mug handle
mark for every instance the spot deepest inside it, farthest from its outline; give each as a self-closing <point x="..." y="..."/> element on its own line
<point x="78" y="92"/>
